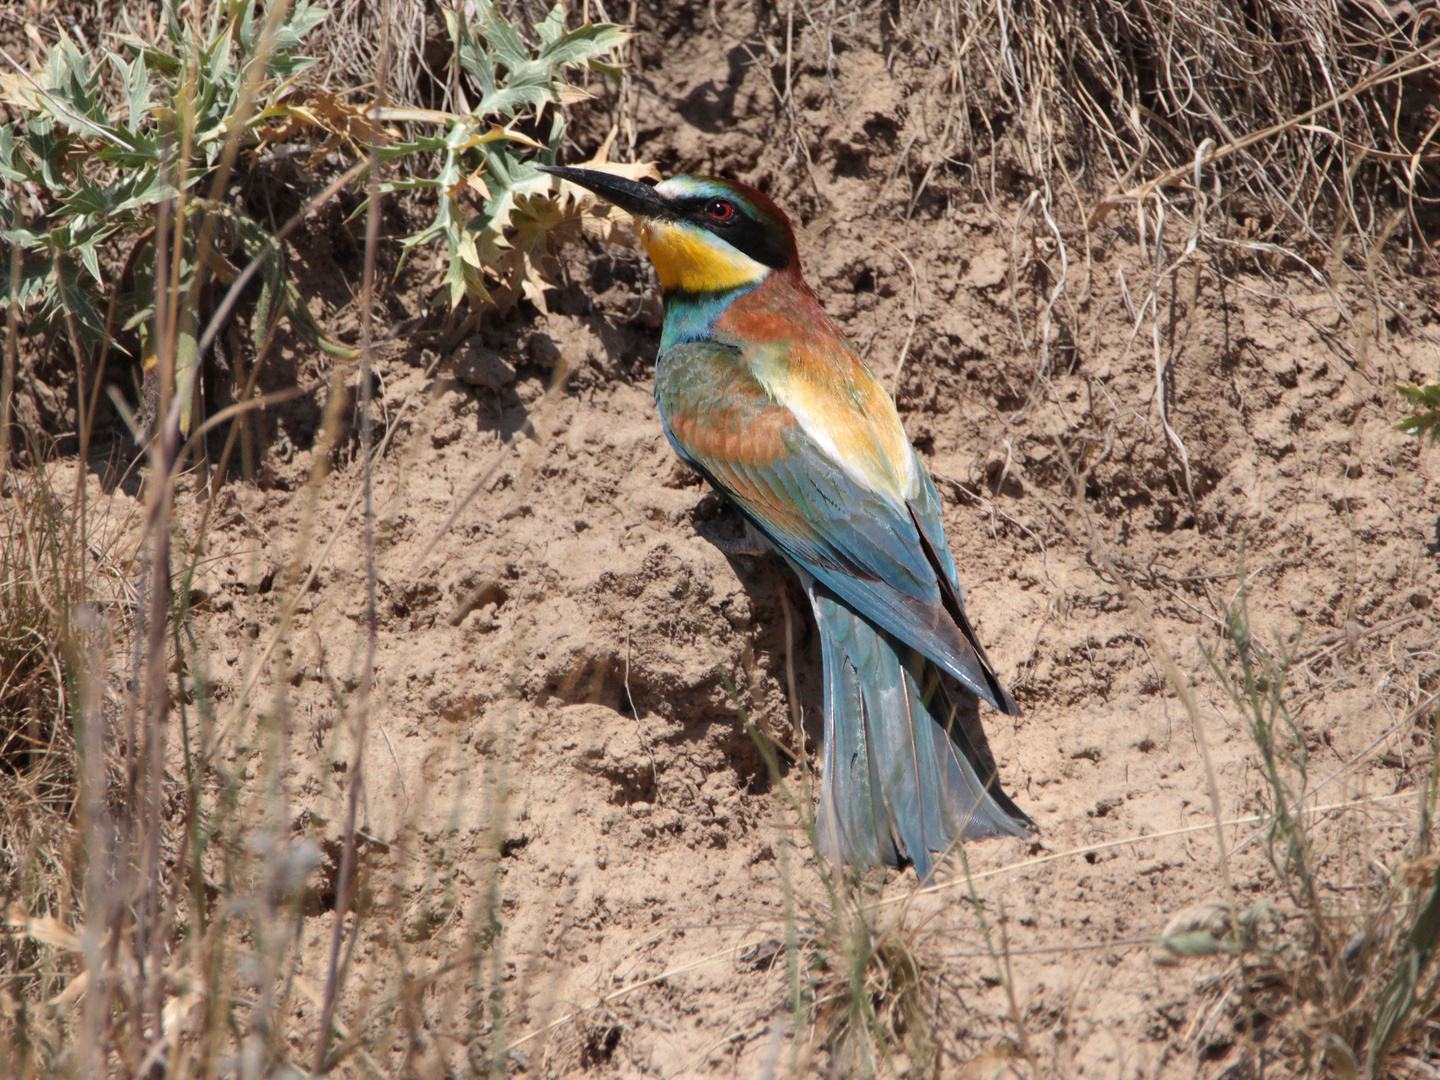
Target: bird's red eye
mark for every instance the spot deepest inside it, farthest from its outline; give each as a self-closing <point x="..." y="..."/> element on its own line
<point x="721" y="210"/>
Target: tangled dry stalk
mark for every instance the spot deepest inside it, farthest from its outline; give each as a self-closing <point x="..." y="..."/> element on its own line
<point x="1297" y="139"/>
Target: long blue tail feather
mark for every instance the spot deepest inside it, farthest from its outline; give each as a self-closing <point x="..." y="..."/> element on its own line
<point x="907" y="772"/>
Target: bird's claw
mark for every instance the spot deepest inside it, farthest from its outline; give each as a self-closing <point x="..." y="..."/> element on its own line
<point x="750" y="542"/>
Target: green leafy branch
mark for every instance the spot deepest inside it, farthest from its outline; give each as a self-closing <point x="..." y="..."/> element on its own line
<point x="98" y="179"/>
<point x="1425" y="401"/>
<point x="494" y="212"/>
<point x="96" y="147"/>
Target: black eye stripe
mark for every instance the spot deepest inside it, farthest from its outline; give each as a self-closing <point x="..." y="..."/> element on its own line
<point x="763" y="241"/>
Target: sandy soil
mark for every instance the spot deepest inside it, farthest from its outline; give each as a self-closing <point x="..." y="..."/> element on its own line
<point x="567" y="674"/>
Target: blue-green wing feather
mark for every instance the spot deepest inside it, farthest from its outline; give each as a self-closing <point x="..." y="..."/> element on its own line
<point x="907" y="772"/>
<point x="891" y="563"/>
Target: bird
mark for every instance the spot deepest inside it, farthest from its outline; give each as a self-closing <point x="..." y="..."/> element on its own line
<point x="761" y="393"/>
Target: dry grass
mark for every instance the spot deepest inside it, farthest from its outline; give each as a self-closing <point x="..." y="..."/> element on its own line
<point x="40" y="570"/>
<point x="155" y="887"/>
<point x="152" y="895"/>
<point x="1288" y="138"/>
<point x="1319" y="121"/>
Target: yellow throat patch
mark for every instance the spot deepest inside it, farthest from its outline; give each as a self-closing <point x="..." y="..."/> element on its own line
<point x="690" y="261"/>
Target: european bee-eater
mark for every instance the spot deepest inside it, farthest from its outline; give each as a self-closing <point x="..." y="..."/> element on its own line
<point x="762" y="394"/>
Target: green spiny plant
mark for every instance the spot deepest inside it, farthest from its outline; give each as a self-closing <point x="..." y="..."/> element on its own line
<point x="494" y="212"/>
<point x="110" y="184"/>
<point x="104" y="177"/>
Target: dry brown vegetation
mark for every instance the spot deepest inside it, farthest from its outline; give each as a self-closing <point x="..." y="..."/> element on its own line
<point x="371" y="704"/>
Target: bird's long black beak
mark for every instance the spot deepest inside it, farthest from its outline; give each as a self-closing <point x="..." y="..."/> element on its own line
<point x="629" y="195"/>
